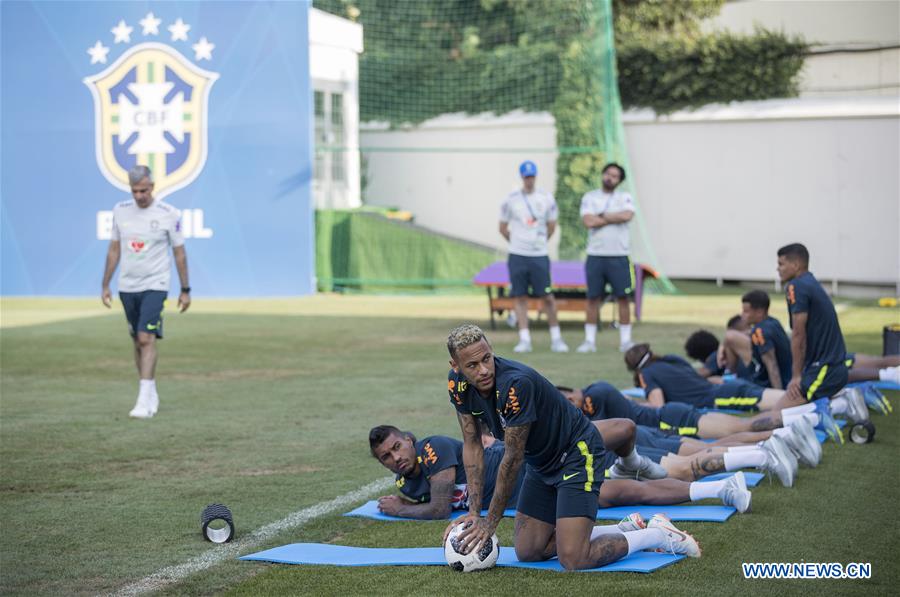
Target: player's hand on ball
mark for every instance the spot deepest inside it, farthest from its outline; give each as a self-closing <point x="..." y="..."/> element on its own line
<point x="467" y="520"/>
<point x="475" y="534"/>
<point x="389" y="504"/>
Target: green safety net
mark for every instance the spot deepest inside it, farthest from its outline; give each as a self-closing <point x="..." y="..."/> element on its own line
<point x="423" y="59"/>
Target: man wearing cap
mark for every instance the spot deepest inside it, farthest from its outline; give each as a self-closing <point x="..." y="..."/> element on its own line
<point x="146" y="227"/>
<point x="527" y="220"/>
<point x="606" y="213"/>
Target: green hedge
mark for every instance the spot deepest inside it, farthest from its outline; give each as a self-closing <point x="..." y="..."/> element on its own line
<point x="668" y="73"/>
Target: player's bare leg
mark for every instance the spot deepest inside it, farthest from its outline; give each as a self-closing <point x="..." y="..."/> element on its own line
<point x="737" y="348"/>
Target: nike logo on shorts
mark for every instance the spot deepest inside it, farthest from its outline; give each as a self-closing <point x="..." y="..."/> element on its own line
<point x="567" y="477"/>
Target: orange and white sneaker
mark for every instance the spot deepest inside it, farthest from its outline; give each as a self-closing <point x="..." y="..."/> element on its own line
<point x="677" y="541"/>
<point x="632" y="522"/>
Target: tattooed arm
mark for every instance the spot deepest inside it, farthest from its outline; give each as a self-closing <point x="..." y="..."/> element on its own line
<point x="473" y="459"/>
<point x="441" y="484"/>
<point x="513" y="457"/>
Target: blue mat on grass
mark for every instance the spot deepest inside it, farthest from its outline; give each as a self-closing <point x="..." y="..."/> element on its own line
<point x="342" y="555"/>
<point x="752" y="479"/>
<point x="881" y="385"/>
<point x="676" y="513"/>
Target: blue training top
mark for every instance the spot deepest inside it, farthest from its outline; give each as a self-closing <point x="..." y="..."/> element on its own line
<point x="677" y="379"/>
<point x="824" y="340"/>
<point x="437" y="453"/>
<point x="522" y="396"/>
<point x="766" y="336"/>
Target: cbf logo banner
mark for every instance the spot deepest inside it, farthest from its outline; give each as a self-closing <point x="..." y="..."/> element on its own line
<point x="151" y="108"/>
<point x="214" y="97"/>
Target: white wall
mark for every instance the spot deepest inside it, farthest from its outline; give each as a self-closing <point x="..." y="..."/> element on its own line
<point x="453" y="172"/>
<point x="723" y="187"/>
<point x="720" y="188"/>
<point x="334" y="48"/>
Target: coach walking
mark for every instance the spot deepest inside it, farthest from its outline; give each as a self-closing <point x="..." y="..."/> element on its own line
<point x="147" y="227"/>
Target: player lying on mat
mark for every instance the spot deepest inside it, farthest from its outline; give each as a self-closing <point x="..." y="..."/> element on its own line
<point x="662" y="436"/>
<point x="670" y="378"/>
<point x="564" y="458"/>
<point x="431" y="479"/>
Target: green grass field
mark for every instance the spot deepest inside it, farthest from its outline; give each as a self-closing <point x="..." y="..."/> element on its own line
<point x="266" y="406"/>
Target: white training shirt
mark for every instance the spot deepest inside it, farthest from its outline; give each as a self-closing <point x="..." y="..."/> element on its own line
<point x="612" y="239"/>
<point x="145" y="236"/>
<point x="527" y="216"/>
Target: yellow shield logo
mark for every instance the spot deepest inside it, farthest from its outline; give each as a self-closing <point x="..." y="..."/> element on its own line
<point x="150" y="108"/>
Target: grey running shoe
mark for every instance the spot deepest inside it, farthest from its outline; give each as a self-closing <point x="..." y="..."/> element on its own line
<point x="735" y="493"/>
<point x="857" y="411"/>
<point x="645" y="471"/>
<point x="779" y="461"/>
<point x="809" y="451"/>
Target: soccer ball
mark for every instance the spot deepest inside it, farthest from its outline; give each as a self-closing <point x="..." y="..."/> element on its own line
<point x="482" y="557"/>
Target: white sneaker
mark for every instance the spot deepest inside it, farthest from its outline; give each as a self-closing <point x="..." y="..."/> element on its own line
<point x="142" y="408"/>
<point x="586" y="347"/>
<point x="647" y="470"/>
<point x="511" y="320"/>
<point x="857" y="411"/>
<point x="523" y="346"/>
<point x="779" y="460"/>
<point x="632" y="522"/>
<point x="735" y="493"/>
<point x="154" y="402"/>
<point x="803" y="443"/>
<point x="677" y="541"/>
<point x="559" y="346"/>
<point x="625" y="346"/>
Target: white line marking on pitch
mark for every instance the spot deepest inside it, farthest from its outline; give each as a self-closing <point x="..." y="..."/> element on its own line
<point x="226" y="551"/>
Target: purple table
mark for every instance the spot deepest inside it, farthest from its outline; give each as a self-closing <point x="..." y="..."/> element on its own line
<point x="565" y="275"/>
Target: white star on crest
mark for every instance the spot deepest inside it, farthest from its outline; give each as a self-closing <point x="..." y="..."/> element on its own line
<point x="122" y="32"/>
<point x="98" y="53"/>
<point x="203" y="49"/>
<point x="150" y="24"/>
<point x="179" y="30"/>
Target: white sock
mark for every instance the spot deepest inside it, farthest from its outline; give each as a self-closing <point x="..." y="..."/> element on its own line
<point x="839" y="405"/>
<point x="148" y="386"/>
<point x="705" y="490"/>
<point x="590" y="333"/>
<point x="624" y="333"/>
<point x="735" y="461"/>
<point x="645" y="539"/>
<point x="742" y="448"/>
<point x="555" y="334"/>
<point x="525" y="335"/>
<point x="789" y="415"/>
<point x="631" y="461"/>
<point x="889" y="374"/>
<point x="604" y="529"/>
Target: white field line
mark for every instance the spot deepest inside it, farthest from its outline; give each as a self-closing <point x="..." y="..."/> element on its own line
<point x="226" y="551"/>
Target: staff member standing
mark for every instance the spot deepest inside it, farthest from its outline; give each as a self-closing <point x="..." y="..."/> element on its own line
<point x="147" y="227"/>
<point x="527" y="220"/>
<point x="606" y="213"/>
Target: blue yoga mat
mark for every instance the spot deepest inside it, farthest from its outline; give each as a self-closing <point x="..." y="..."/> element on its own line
<point x="633" y="392"/>
<point x="881" y="385"/>
<point x="342" y="555"/>
<point x="693" y="513"/>
<point x="752" y="479"/>
<point x="370" y="510"/>
<point x="675" y="513"/>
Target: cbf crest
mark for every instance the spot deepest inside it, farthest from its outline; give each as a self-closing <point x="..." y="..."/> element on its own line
<point x="151" y="108"/>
